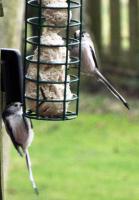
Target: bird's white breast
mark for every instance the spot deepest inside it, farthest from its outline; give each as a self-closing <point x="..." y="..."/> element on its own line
<point x="21" y="134"/>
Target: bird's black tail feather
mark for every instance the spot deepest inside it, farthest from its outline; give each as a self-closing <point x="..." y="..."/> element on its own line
<point x="111" y="88"/>
<point x="28" y="162"/>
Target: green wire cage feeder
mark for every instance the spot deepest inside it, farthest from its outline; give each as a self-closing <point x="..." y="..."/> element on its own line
<point x="51" y="74"/>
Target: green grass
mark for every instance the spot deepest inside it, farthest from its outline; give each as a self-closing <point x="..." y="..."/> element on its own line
<point x="94" y="157"/>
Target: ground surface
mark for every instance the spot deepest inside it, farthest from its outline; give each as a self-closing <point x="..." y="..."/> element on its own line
<point x="94" y="157"/>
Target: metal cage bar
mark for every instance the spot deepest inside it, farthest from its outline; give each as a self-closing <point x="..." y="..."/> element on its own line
<point x="36" y="99"/>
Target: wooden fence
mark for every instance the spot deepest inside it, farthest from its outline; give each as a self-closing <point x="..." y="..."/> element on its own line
<point x="115" y="25"/>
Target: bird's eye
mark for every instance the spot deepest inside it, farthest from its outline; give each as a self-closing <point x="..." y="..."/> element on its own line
<point x="16" y="105"/>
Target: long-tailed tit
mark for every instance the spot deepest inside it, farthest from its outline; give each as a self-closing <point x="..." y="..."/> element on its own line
<point x="89" y="64"/>
<point x="20" y="130"/>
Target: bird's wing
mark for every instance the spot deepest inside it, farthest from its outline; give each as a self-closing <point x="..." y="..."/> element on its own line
<point x="89" y="40"/>
<point x="94" y="56"/>
<point x="104" y="80"/>
<point x="28" y="123"/>
<point x="10" y="133"/>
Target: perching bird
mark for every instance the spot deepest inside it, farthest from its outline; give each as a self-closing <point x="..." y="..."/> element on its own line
<point x="20" y="130"/>
<point x="89" y="64"/>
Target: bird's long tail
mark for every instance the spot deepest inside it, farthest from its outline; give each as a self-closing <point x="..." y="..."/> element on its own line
<point x="111" y="88"/>
<point x="28" y="162"/>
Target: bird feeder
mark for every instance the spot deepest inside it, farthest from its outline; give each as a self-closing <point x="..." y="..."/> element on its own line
<point x="51" y="74"/>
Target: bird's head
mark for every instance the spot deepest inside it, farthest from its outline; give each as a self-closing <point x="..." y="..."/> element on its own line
<point x="14" y="108"/>
<point x="77" y="34"/>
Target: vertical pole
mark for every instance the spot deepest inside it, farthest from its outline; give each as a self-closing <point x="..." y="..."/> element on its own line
<point x="115" y="28"/>
<point x="10" y="35"/>
<point x="1" y="135"/>
<point x="1" y="143"/>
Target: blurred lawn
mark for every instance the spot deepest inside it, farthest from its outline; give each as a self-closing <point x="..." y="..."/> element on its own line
<point x="94" y="157"/>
